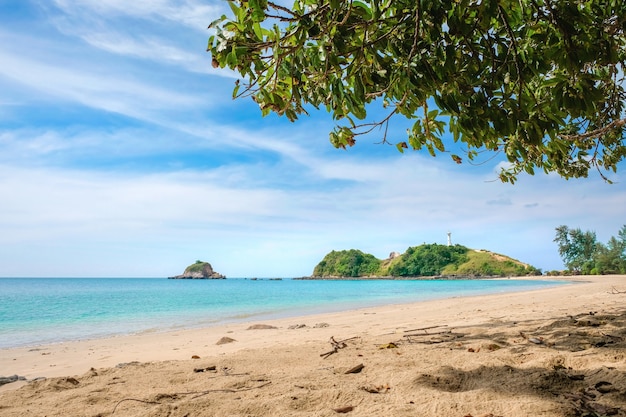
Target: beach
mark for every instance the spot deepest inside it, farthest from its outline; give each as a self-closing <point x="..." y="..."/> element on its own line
<point x="556" y="351"/>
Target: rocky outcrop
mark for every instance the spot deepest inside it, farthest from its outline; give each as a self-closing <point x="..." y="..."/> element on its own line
<point x="199" y="270"/>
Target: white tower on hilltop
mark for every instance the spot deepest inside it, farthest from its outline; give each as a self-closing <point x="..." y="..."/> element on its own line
<point x="449" y="238"/>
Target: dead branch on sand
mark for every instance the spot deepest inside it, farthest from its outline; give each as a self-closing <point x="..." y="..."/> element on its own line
<point x="336" y="346"/>
<point x="132" y="399"/>
<point x="195" y="394"/>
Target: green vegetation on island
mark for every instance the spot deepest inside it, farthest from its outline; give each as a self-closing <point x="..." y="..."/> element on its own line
<point x="199" y="270"/>
<point x="428" y="260"/>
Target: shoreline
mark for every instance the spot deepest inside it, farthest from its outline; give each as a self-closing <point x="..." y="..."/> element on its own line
<point x="147" y="337"/>
<point x="288" y="355"/>
<point x="185" y="319"/>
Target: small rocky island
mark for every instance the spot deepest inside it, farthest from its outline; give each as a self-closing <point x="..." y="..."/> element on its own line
<point x="199" y="270"/>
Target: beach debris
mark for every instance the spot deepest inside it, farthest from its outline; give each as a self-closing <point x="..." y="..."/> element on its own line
<point x="443" y="335"/>
<point x="390" y="345"/>
<point x="195" y="394"/>
<point x="585" y="406"/>
<point x="425" y="329"/>
<point x="297" y="326"/>
<point x="336" y="346"/>
<point x="376" y="389"/>
<point x="535" y="340"/>
<point x="604" y="387"/>
<point x="345" y="409"/>
<point x="224" y="340"/>
<point x="355" y="369"/>
<point x="9" y="379"/>
<point x="261" y="327"/>
<point x="64" y="383"/>
<point x="132" y="399"/>
<point x="483" y="415"/>
<point x="195" y="357"/>
<point x="321" y="325"/>
<point x="616" y="291"/>
<point x="211" y="368"/>
<point x="493" y="346"/>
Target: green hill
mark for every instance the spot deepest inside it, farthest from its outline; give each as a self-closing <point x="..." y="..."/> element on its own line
<point x="428" y="260"/>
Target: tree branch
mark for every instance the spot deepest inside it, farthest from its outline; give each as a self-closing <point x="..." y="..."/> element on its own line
<point x="615" y="124"/>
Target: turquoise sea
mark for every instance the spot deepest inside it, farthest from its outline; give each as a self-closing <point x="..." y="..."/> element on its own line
<point x="35" y="311"/>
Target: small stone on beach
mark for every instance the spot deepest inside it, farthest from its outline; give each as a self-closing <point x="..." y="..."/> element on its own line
<point x="261" y="327"/>
<point x="224" y="340"/>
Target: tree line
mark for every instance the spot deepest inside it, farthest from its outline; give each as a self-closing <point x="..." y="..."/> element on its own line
<point x="583" y="254"/>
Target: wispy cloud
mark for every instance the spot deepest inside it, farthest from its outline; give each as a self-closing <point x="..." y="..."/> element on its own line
<point x="122" y="153"/>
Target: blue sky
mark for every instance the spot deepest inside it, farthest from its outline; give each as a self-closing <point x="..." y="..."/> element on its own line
<point x="122" y="154"/>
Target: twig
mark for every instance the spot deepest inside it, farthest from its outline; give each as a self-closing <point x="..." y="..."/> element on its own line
<point x="428" y="334"/>
<point x="425" y="328"/>
<point x="201" y="393"/>
<point x="132" y="399"/>
<point x="198" y="394"/>
<point x="336" y="346"/>
<point x="615" y="291"/>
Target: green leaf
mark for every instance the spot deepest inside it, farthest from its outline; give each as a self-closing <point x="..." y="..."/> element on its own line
<point x="258" y="11"/>
<point x="257" y="31"/>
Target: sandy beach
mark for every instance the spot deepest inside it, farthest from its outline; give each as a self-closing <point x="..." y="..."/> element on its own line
<point x="553" y="352"/>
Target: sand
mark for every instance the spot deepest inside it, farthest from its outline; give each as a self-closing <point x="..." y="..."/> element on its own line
<point x="551" y="352"/>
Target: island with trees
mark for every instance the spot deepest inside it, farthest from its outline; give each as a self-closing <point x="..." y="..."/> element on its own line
<point x="199" y="270"/>
<point x="424" y="261"/>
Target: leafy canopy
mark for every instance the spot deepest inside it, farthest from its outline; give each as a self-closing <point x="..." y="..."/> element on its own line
<point x="429" y="260"/>
<point x="583" y="254"/>
<point x="540" y="81"/>
<point x="347" y="263"/>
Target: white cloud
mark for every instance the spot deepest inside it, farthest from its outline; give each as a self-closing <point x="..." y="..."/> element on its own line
<point x="211" y="179"/>
<point x="194" y="14"/>
<point x="92" y="86"/>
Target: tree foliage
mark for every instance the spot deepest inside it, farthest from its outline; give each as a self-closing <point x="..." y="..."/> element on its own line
<point x="583" y="254"/>
<point x="428" y="260"/>
<point x="347" y="263"/>
<point x="540" y="81"/>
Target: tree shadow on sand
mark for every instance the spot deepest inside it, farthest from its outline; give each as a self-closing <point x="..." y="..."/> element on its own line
<point x="584" y="391"/>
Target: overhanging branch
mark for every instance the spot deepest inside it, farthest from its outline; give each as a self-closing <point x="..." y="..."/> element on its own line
<point x="615" y="124"/>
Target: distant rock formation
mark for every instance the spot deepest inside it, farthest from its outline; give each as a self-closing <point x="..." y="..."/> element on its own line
<point x="199" y="270"/>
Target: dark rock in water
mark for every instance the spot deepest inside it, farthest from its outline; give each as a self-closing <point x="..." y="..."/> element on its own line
<point x="9" y="379"/>
<point x="199" y="270"/>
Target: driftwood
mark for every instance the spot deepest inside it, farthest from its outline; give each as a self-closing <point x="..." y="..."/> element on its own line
<point x="444" y="335"/>
<point x="425" y="328"/>
<point x="428" y="334"/>
<point x="425" y="332"/>
<point x="336" y="346"/>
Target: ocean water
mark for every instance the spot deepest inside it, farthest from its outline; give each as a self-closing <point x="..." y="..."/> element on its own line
<point x="35" y="311"/>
